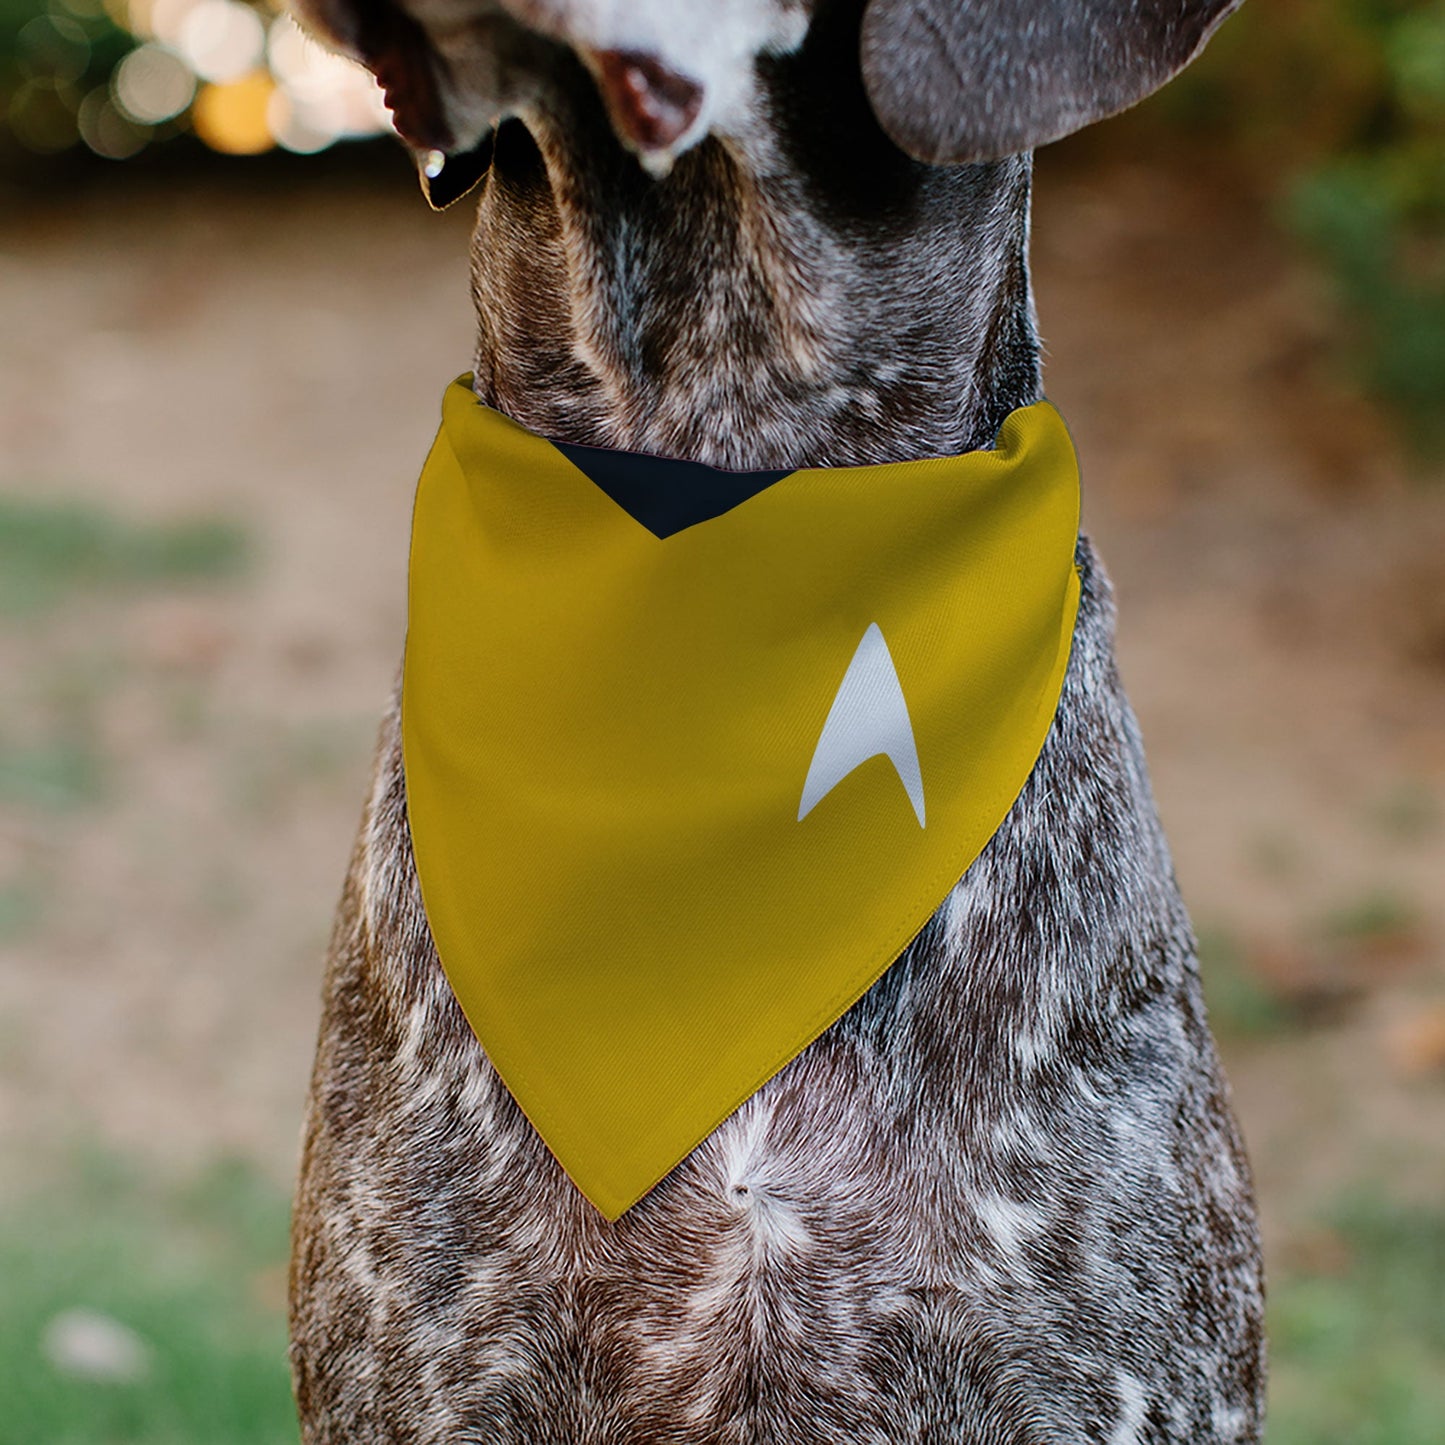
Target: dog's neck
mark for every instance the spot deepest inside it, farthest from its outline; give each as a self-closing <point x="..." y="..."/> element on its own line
<point x="805" y="295"/>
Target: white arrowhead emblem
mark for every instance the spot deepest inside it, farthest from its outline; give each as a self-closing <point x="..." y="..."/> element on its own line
<point x="869" y="716"/>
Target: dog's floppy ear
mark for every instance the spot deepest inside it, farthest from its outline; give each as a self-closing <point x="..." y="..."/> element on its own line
<point x="975" y="80"/>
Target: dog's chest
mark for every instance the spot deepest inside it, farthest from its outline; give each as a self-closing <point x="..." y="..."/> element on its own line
<point x="1005" y="1184"/>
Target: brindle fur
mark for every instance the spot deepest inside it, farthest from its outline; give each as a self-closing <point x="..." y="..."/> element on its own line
<point x="1001" y="1200"/>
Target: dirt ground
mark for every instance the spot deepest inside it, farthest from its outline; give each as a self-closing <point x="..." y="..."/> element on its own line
<point x="277" y="357"/>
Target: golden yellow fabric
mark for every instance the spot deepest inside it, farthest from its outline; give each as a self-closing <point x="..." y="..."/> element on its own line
<point x="607" y="736"/>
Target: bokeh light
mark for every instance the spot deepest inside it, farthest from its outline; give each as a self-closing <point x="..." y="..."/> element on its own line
<point x="106" y="131"/>
<point x="221" y="40"/>
<point x="54" y="45"/>
<point x="42" y="114"/>
<point x="153" y="84"/>
<point x="318" y="99"/>
<point x="119" y="75"/>
<point x="232" y="117"/>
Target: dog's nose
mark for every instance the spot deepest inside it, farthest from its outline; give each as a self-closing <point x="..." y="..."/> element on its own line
<point x="650" y="105"/>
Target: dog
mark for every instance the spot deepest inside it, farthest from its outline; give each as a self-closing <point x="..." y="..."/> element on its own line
<point x="1003" y="1198"/>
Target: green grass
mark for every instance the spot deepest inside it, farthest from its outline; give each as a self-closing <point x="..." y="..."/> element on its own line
<point x="1358" y="1349"/>
<point x="1239" y="1004"/>
<point x="55" y="775"/>
<point x="1372" y="916"/>
<point x="272" y="763"/>
<point x="56" y="550"/>
<point x="21" y="906"/>
<point x="194" y="1272"/>
<point x="1407" y="813"/>
<point x="51" y="549"/>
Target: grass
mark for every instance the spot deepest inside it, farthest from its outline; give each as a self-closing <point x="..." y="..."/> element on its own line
<point x="1239" y="1004"/>
<point x="21" y="906"/>
<point x="56" y="550"/>
<point x="51" y="549"/>
<point x="1358" y="1345"/>
<point x="272" y="761"/>
<point x="1407" y="813"/>
<point x="194" y="1272"/>
<point x="1255" y="989"/>
<point x="1375" y="916"/>
<point x="55" y="775"/>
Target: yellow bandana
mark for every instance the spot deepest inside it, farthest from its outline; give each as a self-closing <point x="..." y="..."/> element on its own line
<point x="681" y="790"/>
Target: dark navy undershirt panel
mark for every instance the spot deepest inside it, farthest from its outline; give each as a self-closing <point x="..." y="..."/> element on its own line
<point x="663" y="494"/>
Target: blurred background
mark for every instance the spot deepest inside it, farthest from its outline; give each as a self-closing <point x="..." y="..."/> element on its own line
<point x="227" y="321"/>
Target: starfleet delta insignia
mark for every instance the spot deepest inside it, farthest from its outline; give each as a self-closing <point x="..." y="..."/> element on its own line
<point x="691" y="755"/>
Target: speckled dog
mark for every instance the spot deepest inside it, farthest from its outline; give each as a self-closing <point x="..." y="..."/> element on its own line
<point x="1002" y="1199"/>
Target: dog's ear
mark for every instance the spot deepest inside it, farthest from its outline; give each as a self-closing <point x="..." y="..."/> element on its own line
<point x="975" y="80"/>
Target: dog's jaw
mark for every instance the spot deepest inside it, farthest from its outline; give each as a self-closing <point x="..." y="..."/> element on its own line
<point x="668" y="75"/>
